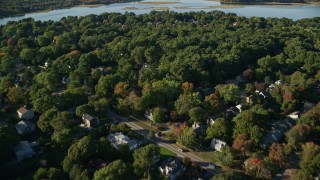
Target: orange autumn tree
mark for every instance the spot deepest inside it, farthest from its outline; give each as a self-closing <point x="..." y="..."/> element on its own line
<point x="242" y="144"/>
<point x="255" y="167"/>
<point x="121" y="89"/>
<point x="278" y="155"/>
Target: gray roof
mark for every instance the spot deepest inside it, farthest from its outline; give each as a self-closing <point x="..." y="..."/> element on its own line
<point x="25" y="127"/>
<point x="277" y="132"/>
<point x="88" y="117"/>
<point x="24" y="150"/>
<point x="173" y="163"/>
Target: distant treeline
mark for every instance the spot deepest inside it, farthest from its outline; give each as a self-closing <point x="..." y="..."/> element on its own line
<point x="16" y="7"/>
<point x="266" y="1"/>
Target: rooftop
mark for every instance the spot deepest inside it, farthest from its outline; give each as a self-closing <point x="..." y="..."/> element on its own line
<point x="22" y="110"/>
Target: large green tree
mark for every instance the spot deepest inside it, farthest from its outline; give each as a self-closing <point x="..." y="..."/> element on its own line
<point x="16" y="95"/>
<point x="114" y="171"/>
<point x="225" y="157"/>
<point x="229" y="92"/>
<point x="48" y="173"/>
<point x="310" y="158"/>
<point x="45" y="119"/>
<point x="250" y="123"/>
<point x="297" y="135"/>
<point x="221" y="129"/>
<point x="186" y="137"/>
<point x="158" y="115"/>
<point x="185" y="102"/>
<point x="197" y="114"/>
<point x="145" y="158"/>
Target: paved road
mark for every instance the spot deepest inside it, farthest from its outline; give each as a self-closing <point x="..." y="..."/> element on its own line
<point x="160" y="141"/>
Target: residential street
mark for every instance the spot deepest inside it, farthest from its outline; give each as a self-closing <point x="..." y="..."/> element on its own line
<point x="158" y="140"/>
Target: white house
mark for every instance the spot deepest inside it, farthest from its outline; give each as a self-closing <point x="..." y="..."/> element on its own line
<point x="212" y="119"/>
<point x="24" y="150"/>
<point x="263" y="94"/>
<point x="280" y="82"/>
<point x="90" y="121"/>
<point x="24" y="113"/>
<point x="148" y="114"/>
<point x="240" y="107"/>
<point x="294" y="115"/>
<point x="172" y="168"/>
<point x="217" y="144"/>
<point x="117" y="139"/>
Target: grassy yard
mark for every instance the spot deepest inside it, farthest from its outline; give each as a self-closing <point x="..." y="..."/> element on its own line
<point x="209" y="156"/>
<point x="144" y="125"/>
<point x="166" y="153"/>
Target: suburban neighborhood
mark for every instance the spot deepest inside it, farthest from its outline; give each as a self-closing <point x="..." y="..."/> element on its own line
<point x="165" y="95"/>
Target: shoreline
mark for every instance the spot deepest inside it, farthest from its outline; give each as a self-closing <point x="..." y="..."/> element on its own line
<point x="89" y="5"/>
<point x="271" y="3"/>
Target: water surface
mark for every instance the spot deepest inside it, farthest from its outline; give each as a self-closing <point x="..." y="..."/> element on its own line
<point x="294" y="12"/>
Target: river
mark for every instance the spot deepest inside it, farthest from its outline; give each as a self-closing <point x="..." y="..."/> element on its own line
<point x="294" y="12"/>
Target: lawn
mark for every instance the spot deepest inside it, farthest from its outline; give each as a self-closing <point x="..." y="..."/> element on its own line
<point x="208" y="156"/>
<point x="144" y="124"/>
<point x="166" y="153"/>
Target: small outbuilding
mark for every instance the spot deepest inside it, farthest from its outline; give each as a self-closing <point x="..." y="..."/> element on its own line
<point x="24" y="113"/>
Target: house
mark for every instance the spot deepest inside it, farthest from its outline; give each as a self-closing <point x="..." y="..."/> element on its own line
<point x="148" y="114"/>
<point x="90" y="121"/>
<point x="280" y="82"/>
<point x="234" y="110"/>
<point x="25" y="150"/>
<point x="294" y="115"/>
<point x="65" y="80"/>
<point x="172" y="168"/>
<point x="212" y="119"/>
<point x="217" y="144"/>
<point x="198" y="128"/>
<point x="117" y="139"/>
<point x="24" y="113"/>
<point x="249" y="99"/>
<point x="104" y="70"/>
<point x="264" y="94"/>
<point x="277" y="131"/>
<point x="239" y="107"/>
<point x="271" y="87"/>
<point x="307" y="106"/>
<point x="25" y="127"/>
<point x="230" y="113"/>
